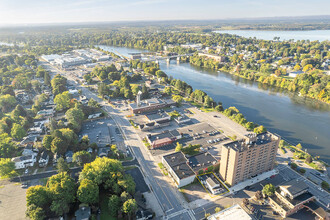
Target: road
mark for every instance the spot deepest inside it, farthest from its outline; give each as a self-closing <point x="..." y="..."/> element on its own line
<point x="168" y="197"/>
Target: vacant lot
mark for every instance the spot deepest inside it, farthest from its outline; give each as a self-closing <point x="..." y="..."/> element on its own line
<point x="12" y="201"/>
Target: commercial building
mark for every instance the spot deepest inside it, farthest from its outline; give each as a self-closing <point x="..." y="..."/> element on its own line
<point x="232" y="213"/>
<point x="155" y="120"/>
<point x="248" y="157"/>
<point x="203" y="162"/>
<point x="162" y="139"/>
<point x="292" y="196"/>
<point x="149" y="105"/>
<point x="179" y="170"/>
<point x="184" y="169"/>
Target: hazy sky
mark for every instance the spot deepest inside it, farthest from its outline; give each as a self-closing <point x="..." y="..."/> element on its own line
<point x="50" y="11"/>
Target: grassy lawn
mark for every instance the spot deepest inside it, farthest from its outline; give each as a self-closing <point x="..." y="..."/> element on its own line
<point x="105" y="215"/>
<point x="204" y="109"/>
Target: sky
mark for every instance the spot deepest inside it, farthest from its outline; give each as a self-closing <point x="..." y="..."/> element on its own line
<point x="60" y="11"/>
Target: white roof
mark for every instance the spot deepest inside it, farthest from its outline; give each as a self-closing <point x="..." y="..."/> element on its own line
<point x="231" y="213"/>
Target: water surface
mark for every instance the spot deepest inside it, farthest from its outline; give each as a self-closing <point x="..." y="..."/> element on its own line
<point x="313" y="35"/>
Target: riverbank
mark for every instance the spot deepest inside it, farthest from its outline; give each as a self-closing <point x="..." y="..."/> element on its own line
<point x="282" y="82"/>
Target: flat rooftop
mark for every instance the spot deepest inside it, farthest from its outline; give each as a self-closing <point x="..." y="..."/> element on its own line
<point x="231" y="213"/>
<point x="183" y="170"/>
<point x="202" y="161"/>
<point x="164" y="134"/>
<point x="199" y="128"/>
<point x="175" y="159"/>
<point x="294" y="186"/>
<point x="252" y="140"/>
<point x="155" y="115"/>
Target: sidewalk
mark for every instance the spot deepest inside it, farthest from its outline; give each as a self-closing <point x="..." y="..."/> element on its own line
<point x="252" y="181"/>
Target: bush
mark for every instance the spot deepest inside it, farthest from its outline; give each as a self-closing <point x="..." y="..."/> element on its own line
<point x="302" y="171"/>
<point x="325" y="185"/>
<point x="293" y="166"/>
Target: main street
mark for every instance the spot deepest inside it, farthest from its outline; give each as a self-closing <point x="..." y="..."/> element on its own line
<point x="168" y="197"/>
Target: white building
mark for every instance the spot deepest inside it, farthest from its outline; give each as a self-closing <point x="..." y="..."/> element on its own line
<point x="44" y="159"/>
<point x="231" y="213"/>
<point x="179" y="170"/>
<point x="24" y="161"/>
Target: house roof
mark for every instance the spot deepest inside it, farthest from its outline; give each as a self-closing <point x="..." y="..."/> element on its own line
<point x="83" y="213"/>
<point x="22" y="158"/>
<point x="69" y="154"/>
<point x="211" y="182"/>
<point x="44" y="155"/>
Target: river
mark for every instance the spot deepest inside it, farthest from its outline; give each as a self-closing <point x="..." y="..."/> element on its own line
<point x="312" y="35"/>
<point x="297" y="119"/>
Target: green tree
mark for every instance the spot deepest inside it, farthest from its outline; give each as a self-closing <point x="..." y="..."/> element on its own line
<point x="217" y="209"/>
<point x="101" y="170"/>
<point x="325" y="185"/>
<point x="93" y="103"/>
<point x="7" y="147"/>
<point x="75" y="117"/>
<point x="88" y="192"/>
<point x="259" y="129"/>
<point x="7" y="168"/>
<point x="269" y="189"/>
<point x="178" y="147"/>
<point x="62" y="190"/>
<point x="47" y="142"/>
<point x="129" y="207"/>
<point x="35" y="213"/>
<point x="59" y="146"/>
<point x="128" y="184"/>
<point x="62" y="100"/>
<point x="81" y="157"/>
<point x="17" y="131"/>
<point x="177" y="98"/>
<point x="114" y="205"/>
<point x="299" y="146"/>
<point x="7" y="102"/>
<point x="37" y="195"/>
<point x="62" y="166"/>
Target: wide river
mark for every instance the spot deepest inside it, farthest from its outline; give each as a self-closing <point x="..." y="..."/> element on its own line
<point x="297" y="119"/>
<point x="320" y="35"/>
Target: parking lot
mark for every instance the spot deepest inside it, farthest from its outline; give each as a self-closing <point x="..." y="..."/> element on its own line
<point x="140" y="184"/>
<point x="102" y="131"/>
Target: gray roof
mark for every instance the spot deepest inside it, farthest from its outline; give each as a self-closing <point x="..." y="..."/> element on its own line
<point x="183" y="170"/>
<point x="175" y="159"/>
<point x="294" y="186"/>
<point x="83" y="213"/>
<point x="201" y="161"/>
<point x="44" y="155"/>
<point x="22" y="158"/>
<point x="165" y="134"/>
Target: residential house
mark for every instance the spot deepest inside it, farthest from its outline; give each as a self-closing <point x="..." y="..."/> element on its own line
<point x="44" y="159"/>
<point x="83" y="213"/>
<point x="69" y="156"/>
<point x="24" y="161"/>
<point x="30" y="150"/>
